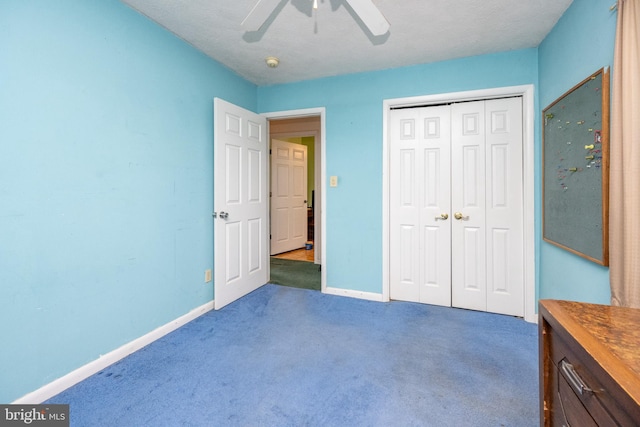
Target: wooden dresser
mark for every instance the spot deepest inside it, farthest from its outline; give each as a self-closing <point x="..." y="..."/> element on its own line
<point x="589" y="364"/>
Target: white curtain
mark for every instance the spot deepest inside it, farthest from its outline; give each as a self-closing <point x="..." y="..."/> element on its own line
<point x="624" y="192"/>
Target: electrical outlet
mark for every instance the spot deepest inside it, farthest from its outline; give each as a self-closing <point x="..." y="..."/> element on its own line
<point x="333" y="181"/>
<point x="207" y="275"/>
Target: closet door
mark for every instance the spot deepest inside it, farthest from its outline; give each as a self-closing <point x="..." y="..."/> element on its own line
<point x="469" y="289"/>
<point x="487" y="206"/>
<point x="456" y="208"/>
<point x="420" y="229"/>
<point x="504" y="207"/>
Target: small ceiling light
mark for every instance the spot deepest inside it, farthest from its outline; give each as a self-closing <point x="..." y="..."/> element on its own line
<point x="272" y="61"/>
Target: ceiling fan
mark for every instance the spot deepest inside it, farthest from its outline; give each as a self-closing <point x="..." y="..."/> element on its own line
<point x="365" y="9"/>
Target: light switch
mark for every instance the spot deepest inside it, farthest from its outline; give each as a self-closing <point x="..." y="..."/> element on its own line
<point x="333" y="181"/>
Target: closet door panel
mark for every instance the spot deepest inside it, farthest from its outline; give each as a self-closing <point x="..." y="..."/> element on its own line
<point x="468" y="239"/>
<point x="435" y="215"/>
<point x="420" y="241"/>
<point x="406" y="172"/>
<point x="505" y="232"/>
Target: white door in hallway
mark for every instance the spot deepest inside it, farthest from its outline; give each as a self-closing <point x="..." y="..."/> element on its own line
<point x="240" y="202"/>
<point x="288" y="196"/>
<point x="479" y="190"/>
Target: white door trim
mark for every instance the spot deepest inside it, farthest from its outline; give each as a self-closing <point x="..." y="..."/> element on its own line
<point x="527" y="92"/>
<point x="321" y="152"/>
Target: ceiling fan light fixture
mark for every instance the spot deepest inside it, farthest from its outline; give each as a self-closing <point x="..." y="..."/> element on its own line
<point x="366" y="10"/>
<point x="272" y="61"/>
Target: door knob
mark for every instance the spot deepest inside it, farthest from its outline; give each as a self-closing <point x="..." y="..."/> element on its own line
<point x="443" y="216"/>
<point x="224" y="215"/>
<point x="459" y="216"/>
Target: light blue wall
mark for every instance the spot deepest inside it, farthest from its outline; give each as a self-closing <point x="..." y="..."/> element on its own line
<point x="105" y="182"/>
<point x="354" y="145"/>
<point x="581" y="43"/>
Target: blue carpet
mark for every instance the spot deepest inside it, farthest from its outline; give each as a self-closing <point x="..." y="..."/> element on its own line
<point x="292" y="357"/>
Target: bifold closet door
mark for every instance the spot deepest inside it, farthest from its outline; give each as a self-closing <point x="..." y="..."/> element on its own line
<point x="468" y="206"/>
<point x="504" y="209"/>
<point x="420" y="226"/>
<point x="456" y="208"/>
<point x="486" y="185"/>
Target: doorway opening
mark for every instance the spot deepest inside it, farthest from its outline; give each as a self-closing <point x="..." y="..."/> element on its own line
<point x="296" y="220"/>
<point x="292" y="191"/>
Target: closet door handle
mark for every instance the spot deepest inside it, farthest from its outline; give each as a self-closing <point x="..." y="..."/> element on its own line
<point x="443" y="216"/>
<point x="459" y="216"/>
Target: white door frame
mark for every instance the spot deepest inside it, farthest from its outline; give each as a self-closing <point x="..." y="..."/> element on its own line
<point x="320" y="154"/>
<point x="527" y="92"/>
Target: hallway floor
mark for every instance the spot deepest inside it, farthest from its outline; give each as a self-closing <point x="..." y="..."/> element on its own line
<point x="301" y="254"/>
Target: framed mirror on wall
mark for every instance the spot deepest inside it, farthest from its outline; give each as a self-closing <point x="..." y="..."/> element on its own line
<point x="575" y="162"/>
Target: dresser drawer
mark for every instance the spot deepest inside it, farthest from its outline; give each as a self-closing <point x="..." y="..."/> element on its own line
<point x="585" y="379"/>
<point x="569" y="410"/>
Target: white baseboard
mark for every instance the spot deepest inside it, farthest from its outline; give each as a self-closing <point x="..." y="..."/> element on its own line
<point x="57" y="386"/>
<point x="379" y="298"/>
<point x="369" y="296"/>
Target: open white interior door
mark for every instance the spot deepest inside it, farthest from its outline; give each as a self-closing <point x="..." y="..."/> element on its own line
<point x="240" y="202"/>
<point x="288" y="196"/>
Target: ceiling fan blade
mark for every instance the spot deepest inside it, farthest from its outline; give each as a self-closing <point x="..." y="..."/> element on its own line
<point x="259" y="14"/>
<point x="370" y="16"/>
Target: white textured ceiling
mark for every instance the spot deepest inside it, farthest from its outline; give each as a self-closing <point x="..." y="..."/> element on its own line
<point x="332" y="41"/>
